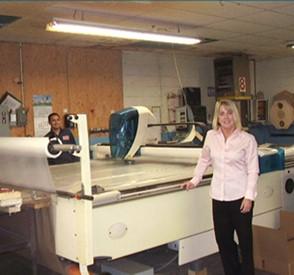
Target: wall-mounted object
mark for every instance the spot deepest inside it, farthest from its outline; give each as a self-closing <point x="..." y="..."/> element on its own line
<point x="192" y="96"/>
<point x="4" y="122"/>
<point x="282" y="110"/>
<point x="261" y="110"/>
<point x="10" y="101"/>
<point x="21" y="117"/>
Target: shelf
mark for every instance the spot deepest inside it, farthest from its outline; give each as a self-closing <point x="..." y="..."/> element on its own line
<point x="232" y="77"/>
<point x="233" y="97"/>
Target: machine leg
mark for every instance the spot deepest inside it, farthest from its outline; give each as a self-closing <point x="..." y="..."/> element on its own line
<point x="83" y="269"/>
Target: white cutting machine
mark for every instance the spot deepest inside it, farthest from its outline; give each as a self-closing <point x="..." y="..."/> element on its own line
<point x="106" y="208"/>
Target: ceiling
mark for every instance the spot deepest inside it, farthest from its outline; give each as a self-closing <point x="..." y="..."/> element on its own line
<point x="260" y="29"/>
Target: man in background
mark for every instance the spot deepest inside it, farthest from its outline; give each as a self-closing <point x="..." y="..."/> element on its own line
<point x="60" y="135"/>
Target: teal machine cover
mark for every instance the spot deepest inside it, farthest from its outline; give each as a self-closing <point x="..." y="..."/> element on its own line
<point x="123" y="129"/>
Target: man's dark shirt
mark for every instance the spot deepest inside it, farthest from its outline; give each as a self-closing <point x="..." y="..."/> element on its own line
<point x="65" y="137"/>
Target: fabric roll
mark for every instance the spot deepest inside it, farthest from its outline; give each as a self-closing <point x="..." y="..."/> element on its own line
<point x="23" y="163"/>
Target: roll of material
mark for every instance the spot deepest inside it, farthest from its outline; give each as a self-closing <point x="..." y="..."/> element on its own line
<point x="172" y="154"/>
<point x="25" y="145"/>
<point x="24" y="164"/>
<point x="107" y="197"/>
<point x="184" y="153"/>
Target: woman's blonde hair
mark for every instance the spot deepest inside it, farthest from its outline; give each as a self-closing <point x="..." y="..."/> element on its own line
<point x="229" y="105"/>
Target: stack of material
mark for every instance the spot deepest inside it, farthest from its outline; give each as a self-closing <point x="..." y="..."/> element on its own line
<point x="10" y="200"/>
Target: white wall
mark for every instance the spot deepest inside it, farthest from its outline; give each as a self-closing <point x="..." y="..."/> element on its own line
<point x="274" y="76"/>
<point x="149" y="77"/>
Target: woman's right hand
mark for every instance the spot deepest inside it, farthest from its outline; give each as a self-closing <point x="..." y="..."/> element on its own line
<point x="188" y="185"/>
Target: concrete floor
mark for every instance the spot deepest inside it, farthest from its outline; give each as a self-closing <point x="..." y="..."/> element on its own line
<point x="161" y="259"/>
<point x="164" y="262"/>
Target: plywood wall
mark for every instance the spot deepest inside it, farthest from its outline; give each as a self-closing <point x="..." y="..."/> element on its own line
<point x="80" y="80"/>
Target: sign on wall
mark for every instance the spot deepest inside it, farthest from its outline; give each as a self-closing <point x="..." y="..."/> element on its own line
<point x="242" y="84"/>
<point x="42" y="106"/>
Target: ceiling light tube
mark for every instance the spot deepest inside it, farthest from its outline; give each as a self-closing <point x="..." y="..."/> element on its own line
<point x="88" y="28"/>
<point x="290" y="44"/>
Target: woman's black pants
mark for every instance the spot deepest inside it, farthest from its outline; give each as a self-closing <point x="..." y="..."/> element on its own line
<point x="228" y="218"/>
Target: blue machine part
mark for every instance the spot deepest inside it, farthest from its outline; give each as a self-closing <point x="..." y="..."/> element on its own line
<point x="269" y="134"/>
<point x="123" y="129"/>
<point x="272" y="162"/>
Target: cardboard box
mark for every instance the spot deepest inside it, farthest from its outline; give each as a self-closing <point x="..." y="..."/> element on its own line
<point x="274" y="248"/>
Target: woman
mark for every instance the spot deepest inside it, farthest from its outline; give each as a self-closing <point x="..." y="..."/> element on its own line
<point x="232" y="153"/>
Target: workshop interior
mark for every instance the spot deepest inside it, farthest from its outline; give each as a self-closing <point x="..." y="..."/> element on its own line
<point x="136" y="82"/>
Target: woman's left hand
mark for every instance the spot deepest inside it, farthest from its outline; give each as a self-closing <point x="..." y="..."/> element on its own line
<point x="246" y="206"/>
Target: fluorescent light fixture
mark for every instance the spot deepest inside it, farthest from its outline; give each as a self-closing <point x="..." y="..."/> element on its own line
<point x="290" y="44"/>
<point x="88" y="28"/>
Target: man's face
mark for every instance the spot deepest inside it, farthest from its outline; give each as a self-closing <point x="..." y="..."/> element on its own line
<point x="55" y="122"/>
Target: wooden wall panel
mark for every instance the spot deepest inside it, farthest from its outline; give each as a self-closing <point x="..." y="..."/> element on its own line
<point x="44" y="74"/>
<point x="10" y="75"/>
<point x="80" y="80"/>
<point x="95" y="84"/>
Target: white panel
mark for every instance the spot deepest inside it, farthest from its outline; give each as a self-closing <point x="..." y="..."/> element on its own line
<point x="269" y="192"/>
<point x="143" y="81"/>
<point x="168" y="70"/>
<point x="191" y="82"/>
<point x="138" y="57"/>
<point x="151" y="221"/>
<point x="66" y="229"/>
<point x="196" y="247"/>
<point x="149" y="69"/>
<point x="166" y="60"/>
<point x="133" y="101"/>
<point x="283" y="72"/>
<point x="270" y="219"/>
<point x="148" y="102"/>
<point x="141" y="84"/>
<point x="171" y="82"/>
<point x="73" y="232"/>
<point x="147" y="92"/>
<point x="142" y="92"/>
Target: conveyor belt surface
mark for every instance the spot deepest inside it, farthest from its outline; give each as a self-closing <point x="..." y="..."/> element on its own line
<point x="117" y="175"/>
